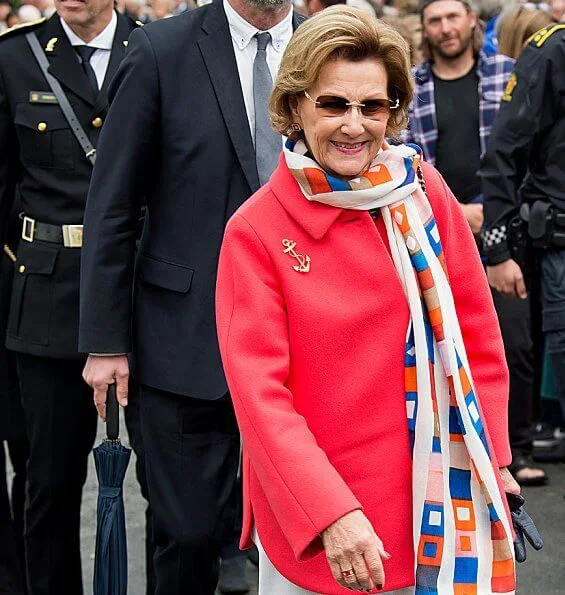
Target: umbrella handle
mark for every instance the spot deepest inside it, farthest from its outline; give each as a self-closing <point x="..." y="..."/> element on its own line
<point x="112" y="414"/>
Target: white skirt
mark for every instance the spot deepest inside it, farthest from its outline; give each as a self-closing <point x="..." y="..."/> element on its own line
<point x="272" y="582"/>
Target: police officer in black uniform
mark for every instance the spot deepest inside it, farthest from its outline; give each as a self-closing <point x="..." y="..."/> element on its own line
<point x="523" y="179"/>
<point x="41" y="159"/>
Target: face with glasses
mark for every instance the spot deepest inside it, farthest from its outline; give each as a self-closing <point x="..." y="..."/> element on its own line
<point x="344" y="115"/>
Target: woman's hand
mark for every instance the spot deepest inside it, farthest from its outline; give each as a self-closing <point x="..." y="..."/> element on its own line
<point x="351" y="544"/>
<point x="510" y="485"/>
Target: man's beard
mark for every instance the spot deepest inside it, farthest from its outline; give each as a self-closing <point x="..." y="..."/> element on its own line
<point x="267" y="4"/>
<point x="464" y="44"/>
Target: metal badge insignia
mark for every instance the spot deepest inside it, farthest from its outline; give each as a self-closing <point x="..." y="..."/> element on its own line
<point x="50" y="47"/>
<point x="42" y="97"/>
<point x="303" y="265"/>
<point x="125" y="43"/>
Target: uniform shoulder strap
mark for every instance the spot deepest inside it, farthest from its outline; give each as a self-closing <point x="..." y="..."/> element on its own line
<point x="22" y="28"/>
<point x="538" y="39"/>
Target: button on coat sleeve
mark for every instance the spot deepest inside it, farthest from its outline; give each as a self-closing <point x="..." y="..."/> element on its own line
<point x="126" y="157"/>
<point x="304" y="490"/>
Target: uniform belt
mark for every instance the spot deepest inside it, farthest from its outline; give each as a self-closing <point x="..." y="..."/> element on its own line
<point x="69" y="236"/>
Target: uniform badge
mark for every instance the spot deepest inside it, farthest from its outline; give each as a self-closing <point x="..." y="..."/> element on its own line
<point x="125" y="43"/>
<point x="50" y="47"/>
<point x="510" y="86"/>
<point x="42" y="97"/>
<point x="303" y="265"/>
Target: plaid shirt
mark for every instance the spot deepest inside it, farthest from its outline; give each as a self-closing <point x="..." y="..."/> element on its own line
<point x="493" y="73"/>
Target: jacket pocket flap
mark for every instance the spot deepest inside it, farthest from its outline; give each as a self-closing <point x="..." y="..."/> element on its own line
<point x="40" y="118"/>
<point x="175" y="277"/>
<point x="39" y="260"/>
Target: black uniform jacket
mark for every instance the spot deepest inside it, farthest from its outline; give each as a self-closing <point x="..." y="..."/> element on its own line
<point x="41" y="158"/>
<point x="178" y="106"/>
<point x="525" y="159"/>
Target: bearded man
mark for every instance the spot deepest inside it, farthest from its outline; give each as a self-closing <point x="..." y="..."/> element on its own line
<point x="190" y="105"/>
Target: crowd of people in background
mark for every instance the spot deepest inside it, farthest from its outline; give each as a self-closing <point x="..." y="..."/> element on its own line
<point x="505" y="21"/>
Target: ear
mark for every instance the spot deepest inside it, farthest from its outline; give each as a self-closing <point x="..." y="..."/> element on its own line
<point x="474" y="20"/>
<point x="295" y="109"/>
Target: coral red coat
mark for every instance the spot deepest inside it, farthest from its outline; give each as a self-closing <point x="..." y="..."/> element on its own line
<point x="314" y="363"/>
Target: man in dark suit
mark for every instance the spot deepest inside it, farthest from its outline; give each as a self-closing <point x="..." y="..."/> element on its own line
<point x="190" y="105"/>
<point x="40" y="158"/>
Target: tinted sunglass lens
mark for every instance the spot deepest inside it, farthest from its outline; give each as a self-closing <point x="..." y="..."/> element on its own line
<point x="332" y="105"/>
<point x="374" y="107"/>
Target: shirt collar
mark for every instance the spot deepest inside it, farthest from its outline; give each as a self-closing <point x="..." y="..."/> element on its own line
<point x="243" y="32"/>
<point x="103" y="41"/>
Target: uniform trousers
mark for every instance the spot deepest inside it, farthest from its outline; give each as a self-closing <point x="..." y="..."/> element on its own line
<point x="61" y="426"/>
<point x="553" y="314"/>
<point x="191" y="455"/>
<point x="272" y="582"/>
<point x="11" y="576"/>
<point x="514" y="319"/>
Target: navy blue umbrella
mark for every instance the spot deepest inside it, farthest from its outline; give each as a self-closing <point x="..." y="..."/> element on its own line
<point x="111" y="459"/>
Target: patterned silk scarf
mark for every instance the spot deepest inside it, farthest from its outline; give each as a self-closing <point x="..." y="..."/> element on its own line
<point x="462" y="537"/>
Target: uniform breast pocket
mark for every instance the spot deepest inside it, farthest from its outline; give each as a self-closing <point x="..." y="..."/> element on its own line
<point x="45" y="137"/>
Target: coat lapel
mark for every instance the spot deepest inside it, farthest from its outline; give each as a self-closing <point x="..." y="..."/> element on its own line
<point x="123" y="30"/>
<point x="218" y="55"/>
<point x="63" y="61"/>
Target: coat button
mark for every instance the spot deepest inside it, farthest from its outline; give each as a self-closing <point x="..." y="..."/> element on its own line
<point x="42" y="127"/>
<point x="97" y="122"/>
<point x="22" y="269"/>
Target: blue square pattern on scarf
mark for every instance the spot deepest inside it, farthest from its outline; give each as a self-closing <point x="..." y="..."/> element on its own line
<point x="466" y="570"/>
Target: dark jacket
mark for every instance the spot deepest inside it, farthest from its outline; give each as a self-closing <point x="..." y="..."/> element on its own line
<point x="178" y="104"/>
<point x="41" y="158"/>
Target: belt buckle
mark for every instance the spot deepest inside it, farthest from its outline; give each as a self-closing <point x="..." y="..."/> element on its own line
<point x="28" y="229"/>
<point x="72" y="236"/>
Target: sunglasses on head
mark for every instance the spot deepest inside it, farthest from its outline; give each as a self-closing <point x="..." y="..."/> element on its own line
<point x="333" y="105"/>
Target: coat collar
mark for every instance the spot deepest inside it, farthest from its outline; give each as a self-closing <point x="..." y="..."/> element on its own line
<point x="314" y="217"/>
<point x="65" y="67"/>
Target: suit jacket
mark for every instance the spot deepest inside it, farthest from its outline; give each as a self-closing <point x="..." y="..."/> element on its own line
<point x="177" y="103"/>
<point x="52" y="175"/>
<point x="315" y="367"/>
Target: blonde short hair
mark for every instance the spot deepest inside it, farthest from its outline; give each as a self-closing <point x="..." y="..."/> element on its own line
<point x="341" y="32"/>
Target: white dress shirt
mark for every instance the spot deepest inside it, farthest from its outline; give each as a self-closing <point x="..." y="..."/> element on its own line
<point x="103" y="42"/>
<point x="245" y="48"/>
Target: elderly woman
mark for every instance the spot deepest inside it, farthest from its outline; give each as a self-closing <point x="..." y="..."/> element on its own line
<point x="361" y="345"/>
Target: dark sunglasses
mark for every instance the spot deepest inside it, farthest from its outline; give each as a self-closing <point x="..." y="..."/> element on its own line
<point x="332" y="105"/>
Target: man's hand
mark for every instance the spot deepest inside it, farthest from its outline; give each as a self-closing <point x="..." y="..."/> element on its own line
<point x="507" y="278"/>
<point x="474" y="215"/>
<point x="355" y="553"/>
<point x="100" y="371"/>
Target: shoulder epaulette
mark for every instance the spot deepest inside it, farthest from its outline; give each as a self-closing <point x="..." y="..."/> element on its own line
<point x="539" y="38"/>
<point x="22" y="27"/>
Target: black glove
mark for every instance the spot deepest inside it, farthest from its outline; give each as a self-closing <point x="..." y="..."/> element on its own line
<point x="523" y="527"/>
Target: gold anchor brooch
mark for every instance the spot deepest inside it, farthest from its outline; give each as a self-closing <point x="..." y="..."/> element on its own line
<point x="303" y="265"/>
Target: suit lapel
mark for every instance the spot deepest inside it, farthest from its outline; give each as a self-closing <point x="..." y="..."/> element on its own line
<point x="218" y="55"/>
<point x="123" y="30"/>
<point x="63" y="61"/>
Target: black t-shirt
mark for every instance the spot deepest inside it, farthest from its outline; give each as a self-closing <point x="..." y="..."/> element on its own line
<point x="459" y="147"/>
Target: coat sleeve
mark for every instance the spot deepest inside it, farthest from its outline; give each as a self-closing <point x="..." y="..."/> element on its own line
<point x="476" y="314"/>
<point x="304" y="490"/>
<point x="9" y="151"/>
<point x="125" y="160"/>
